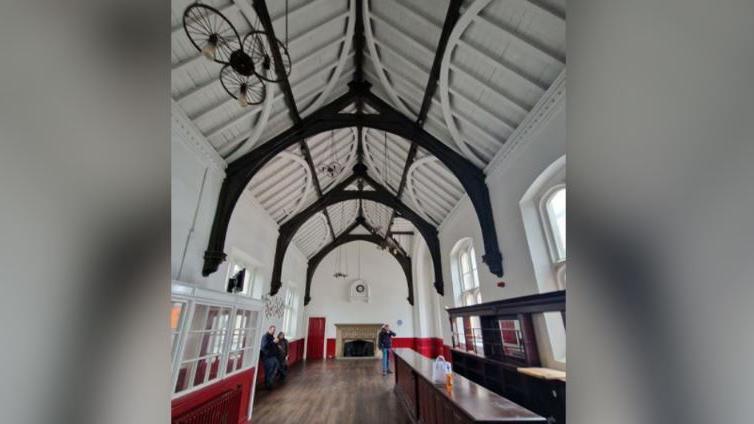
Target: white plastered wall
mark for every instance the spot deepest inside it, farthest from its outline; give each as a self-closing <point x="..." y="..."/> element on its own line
<point x="387" y="291"/>
<point x="507" y="184"/>
<point x="252" y="234"/>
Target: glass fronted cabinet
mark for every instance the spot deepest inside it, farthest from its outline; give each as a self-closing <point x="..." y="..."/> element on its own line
<point x="495" y="345"/>
<point x="213" y="335"/>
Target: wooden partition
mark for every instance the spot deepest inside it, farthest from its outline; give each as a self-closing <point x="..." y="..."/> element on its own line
<point x="464" y="402"/>
<point x="505" y="359"/>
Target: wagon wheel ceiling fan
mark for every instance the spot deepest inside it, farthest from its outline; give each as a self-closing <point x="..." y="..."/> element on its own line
<point x="247" y="62"/>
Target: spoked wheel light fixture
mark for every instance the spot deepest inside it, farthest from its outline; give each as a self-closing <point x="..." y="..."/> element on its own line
<point x="247" y="62"/>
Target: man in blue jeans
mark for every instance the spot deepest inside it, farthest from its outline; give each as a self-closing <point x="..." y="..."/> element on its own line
<point x="385" y="342"/>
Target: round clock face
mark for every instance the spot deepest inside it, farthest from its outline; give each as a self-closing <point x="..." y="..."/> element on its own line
<point x="360" y="288"/>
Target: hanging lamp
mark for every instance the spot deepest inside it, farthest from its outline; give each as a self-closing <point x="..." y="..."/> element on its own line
<point x="247" y="62"/>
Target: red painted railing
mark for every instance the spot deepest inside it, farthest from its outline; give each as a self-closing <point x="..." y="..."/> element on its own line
<point x="221" y="410"/>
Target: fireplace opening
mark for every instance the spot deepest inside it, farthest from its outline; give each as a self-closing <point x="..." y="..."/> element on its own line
<point x="358" y="348"/>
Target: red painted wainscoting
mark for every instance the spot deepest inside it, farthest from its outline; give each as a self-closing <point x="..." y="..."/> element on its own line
<point x="429" y="347"/>
<point x="295" y="354"/>
<point x="446" y="353"/>
<point x="330" y="348"/>
<point x="190" y="401"/>
<point x="295" y="351"/>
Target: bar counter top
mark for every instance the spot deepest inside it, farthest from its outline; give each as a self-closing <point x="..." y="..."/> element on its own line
<point x="480" y="404"/>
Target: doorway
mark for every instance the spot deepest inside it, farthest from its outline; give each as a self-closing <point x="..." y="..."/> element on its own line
<point x="315" y="339"/>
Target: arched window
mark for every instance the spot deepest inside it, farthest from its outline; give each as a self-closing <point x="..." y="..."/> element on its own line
<point x="290" y="312"/>
<point x="543" y="211"/>
<point x="468" y="279"/>
<point x="468" y="330"/>
<point x="553" y="212"/>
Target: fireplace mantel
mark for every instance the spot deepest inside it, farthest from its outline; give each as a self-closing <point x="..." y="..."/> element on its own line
<point x="346" y="332"/>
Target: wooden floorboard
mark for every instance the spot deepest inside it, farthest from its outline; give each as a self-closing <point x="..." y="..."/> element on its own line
<point x="331" y="391"/>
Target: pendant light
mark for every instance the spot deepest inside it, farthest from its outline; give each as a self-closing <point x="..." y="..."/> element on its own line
<point x="247" y="62"/>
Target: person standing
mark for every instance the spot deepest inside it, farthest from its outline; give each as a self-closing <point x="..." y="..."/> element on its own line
<point x="269" y="355"/>
<point x="282" y="345"/>
<point x="385" y="343"/>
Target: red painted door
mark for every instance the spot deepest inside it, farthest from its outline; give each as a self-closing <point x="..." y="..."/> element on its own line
<point x="315" y="340"/>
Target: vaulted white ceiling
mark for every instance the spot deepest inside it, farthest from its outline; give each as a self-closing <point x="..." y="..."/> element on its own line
<point x="501" y="58"/>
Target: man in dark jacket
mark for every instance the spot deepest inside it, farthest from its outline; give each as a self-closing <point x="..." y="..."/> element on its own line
<point x="269" y="355"/>
<point x="385" y="343"/>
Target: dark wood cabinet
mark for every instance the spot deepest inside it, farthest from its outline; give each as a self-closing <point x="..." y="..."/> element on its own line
<point x="509" y="345"/>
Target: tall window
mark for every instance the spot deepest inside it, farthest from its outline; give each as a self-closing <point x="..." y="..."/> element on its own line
<point x="553" y="212"/>
<point x="543" y="211"/>
<point x="467" y="275"/>
<point x="468" y="331"/>
<point x="555" y="207"/>
<point x="289" y="313"/>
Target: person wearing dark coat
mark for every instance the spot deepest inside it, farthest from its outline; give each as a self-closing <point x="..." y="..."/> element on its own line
<point x="282" y="351"/>
<point x="269" y="355"/>
<point x="385" y="343"/>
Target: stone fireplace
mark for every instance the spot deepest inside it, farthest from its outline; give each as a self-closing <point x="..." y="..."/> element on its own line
<point x="358" y="349"/>
<point x="355" y="340"/>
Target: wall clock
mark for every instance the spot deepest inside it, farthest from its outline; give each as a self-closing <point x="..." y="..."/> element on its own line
<point x="358" y="291"/>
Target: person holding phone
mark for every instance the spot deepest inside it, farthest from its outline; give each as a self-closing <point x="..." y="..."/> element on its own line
<point x="385" y="343"/>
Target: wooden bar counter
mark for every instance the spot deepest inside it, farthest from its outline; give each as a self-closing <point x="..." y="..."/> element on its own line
<point x="465" y="402"/>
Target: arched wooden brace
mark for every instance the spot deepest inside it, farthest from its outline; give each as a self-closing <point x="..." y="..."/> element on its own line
<point x="339" y="194"/>
<point x="403" y="260"/>
<point x="241" y="171"/>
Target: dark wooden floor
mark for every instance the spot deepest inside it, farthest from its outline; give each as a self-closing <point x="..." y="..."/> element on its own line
<point x="331" y="391"/>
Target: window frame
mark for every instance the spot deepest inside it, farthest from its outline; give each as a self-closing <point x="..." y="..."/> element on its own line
<point x="193" y="296"/>
<point x="177" y="334"/>
<point x="251" y="335"/>
<point x="234" y="266"/>
<point x="467" y="248"/>
<point x="549" y="267"/>
<point x="290" y="311"/>
<point x="556" y="256"/>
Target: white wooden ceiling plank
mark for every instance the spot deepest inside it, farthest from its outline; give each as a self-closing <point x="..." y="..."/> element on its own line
<point x="535" y="45"/>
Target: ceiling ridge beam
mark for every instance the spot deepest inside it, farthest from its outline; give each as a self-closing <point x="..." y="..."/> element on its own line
<point x="358" y="42"/>
<point x="260" y="6"/>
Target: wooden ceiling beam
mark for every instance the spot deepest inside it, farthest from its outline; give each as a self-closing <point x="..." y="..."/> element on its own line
<point x="260" y="6"/>
<point x="451" y="17"/>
